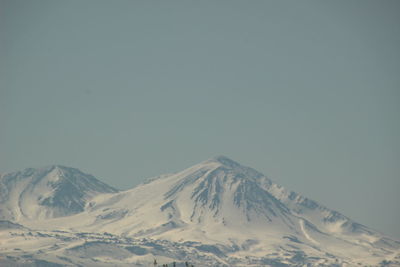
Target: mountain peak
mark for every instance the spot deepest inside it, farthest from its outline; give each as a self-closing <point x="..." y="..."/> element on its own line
<point x="224" y="161"/>
<point x="43" y="171"/>
<point x="49" y="168"/>
<point x="48" y="192"/>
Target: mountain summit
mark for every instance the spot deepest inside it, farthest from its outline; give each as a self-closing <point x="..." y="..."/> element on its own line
<point x="224" y="160"/>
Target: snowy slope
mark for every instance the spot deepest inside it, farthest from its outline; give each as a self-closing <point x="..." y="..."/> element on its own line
<point x="216" y="213"/>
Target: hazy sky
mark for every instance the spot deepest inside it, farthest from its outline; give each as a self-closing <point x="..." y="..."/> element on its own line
<point x="307" y="92"/>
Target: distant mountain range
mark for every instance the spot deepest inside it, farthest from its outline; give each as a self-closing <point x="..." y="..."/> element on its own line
<point x="216" y="213"/>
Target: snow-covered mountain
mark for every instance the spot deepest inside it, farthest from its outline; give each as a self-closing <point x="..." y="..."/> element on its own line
<point x="216" y="213"/>
<point x="48" y="192"/>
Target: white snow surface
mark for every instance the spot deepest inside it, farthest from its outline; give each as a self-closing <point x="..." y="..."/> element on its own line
<point x="216" y="213"/>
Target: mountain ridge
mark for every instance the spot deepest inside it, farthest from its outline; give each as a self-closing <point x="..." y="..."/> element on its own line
<point x="230" y="214"/>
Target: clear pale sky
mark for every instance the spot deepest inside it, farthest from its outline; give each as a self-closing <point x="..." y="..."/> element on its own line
<point x="306" y="92"/>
